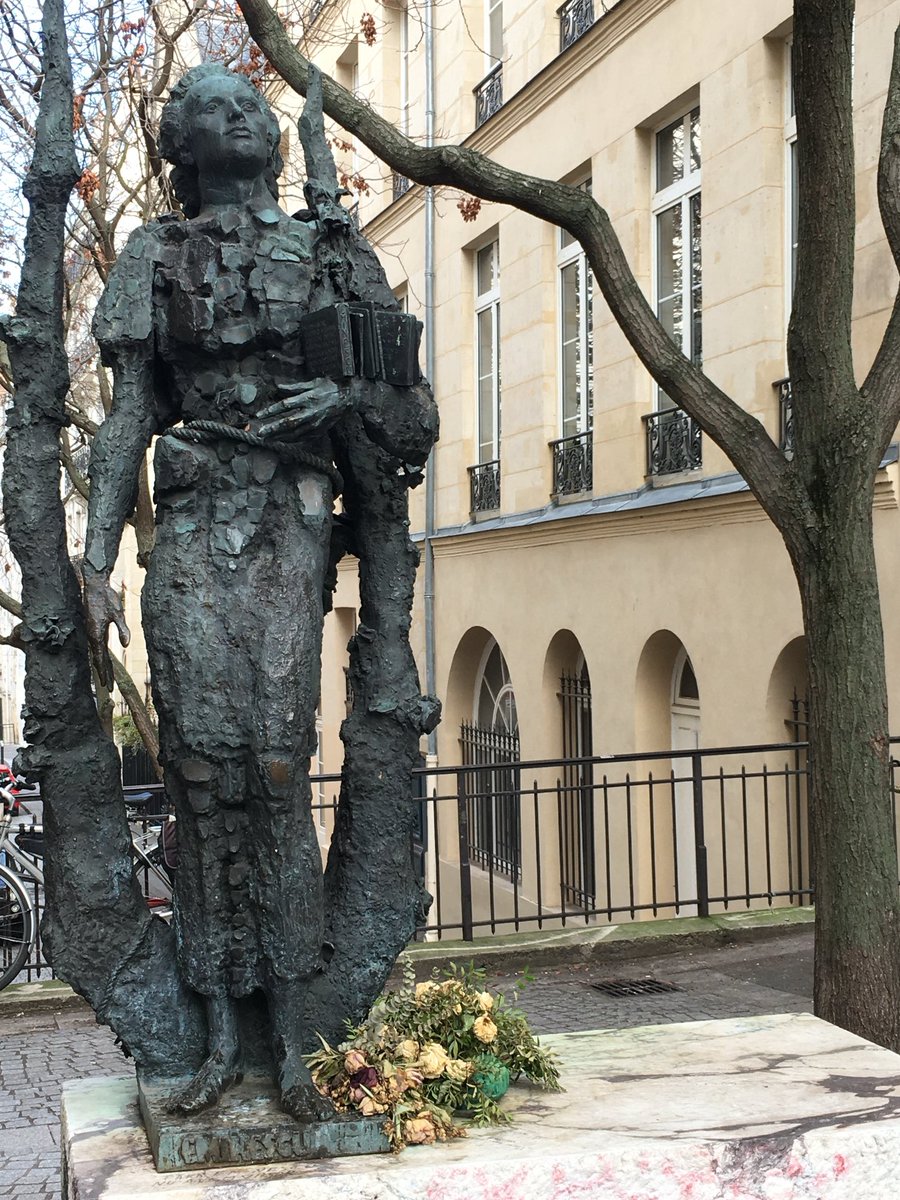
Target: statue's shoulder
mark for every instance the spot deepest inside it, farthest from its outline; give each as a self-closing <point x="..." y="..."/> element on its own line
<point x="124" y="315"/>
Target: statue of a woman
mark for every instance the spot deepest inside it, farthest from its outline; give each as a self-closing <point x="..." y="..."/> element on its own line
<point x="200" y="323"/>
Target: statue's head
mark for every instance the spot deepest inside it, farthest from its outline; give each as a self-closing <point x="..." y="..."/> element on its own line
<point x="217" y="121"/>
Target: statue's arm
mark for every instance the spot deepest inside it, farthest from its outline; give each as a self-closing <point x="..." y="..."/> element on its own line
<point x="116" y="457"/>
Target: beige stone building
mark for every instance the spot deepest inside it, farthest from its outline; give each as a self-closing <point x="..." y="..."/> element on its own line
<point x="603" y="582"/>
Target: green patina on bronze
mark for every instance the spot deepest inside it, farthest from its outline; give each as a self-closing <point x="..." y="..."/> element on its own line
<point x="201" y="323"/>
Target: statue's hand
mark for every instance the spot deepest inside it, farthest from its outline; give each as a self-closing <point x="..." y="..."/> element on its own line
<point x="103" y="607"/>
<point x="308" y="408"/>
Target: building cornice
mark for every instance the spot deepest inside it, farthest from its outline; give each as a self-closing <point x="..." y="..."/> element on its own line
<point x="736" y="507"/>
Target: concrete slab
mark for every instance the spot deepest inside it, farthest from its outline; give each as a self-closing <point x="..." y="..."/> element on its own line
<point x="766" y="1108"/>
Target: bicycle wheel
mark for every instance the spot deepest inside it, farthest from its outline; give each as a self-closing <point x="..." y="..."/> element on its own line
<point x="17" y="926"/>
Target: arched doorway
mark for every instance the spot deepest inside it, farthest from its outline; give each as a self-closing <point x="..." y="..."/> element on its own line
<point x="490" y="746"/>
<point x="685" y="714"/>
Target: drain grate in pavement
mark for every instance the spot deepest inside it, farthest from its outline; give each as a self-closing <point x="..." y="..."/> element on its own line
<point x="634" y="987"/>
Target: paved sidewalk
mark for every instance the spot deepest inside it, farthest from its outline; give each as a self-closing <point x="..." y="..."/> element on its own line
<point x="42" y="1049"/>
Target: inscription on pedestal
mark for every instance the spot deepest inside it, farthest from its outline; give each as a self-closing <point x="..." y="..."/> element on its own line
<point x="246" y="1126"/>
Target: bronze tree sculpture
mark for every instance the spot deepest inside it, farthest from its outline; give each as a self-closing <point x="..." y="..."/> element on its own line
<point x="203" y="323"/>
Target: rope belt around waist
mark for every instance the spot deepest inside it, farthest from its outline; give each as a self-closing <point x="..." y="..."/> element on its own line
<point x="209" y="432"/>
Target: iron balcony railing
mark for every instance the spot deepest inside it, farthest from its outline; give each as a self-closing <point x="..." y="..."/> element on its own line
<point x="401" y="185"/>
<point x="575" y="19"/>
<point x="674" y="442"/>
<point x="484" y="486"/>
<point x="785" y="417"/>
<point x="488" y="95"/>
<point x="573" y="464"/>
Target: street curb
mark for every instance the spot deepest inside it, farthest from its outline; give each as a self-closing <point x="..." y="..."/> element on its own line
<point x="502" y="953"/>
<point x="608" y="943"/>
<point x="46" y="995"/>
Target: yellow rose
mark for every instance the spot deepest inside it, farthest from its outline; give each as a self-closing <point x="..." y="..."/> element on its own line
<point x="408" y="1050"/>
<point x="369" y="1107"/>
<point x="422" y="991"/>
<point x="484" y="1029"/>
<point x="433" y="1060"/>
<point x="354" y="1060"/>
<point x="419" y="1131"/>
<point x="458" y="1070"/>
<point x="485" y="1000"/>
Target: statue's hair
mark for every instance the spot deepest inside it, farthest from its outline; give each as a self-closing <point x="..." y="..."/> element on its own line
<point x="174" y="136"/>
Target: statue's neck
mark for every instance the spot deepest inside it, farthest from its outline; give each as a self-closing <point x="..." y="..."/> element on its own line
<point x="232" y="192"/>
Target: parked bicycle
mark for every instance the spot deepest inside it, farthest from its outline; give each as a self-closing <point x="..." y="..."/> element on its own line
<point x="22" y="874"/>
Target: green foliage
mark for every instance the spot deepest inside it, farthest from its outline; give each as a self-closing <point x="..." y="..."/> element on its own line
<point x="125" y="731"/>
<point x="429" y="1053"/>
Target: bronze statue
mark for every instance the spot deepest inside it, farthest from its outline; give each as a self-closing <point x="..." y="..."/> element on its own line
<point x="202" y="322"/>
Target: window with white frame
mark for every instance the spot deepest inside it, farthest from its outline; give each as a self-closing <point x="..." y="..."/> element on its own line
<point x="493" y="14"/>
<point x="576" y="335"/>
<point x="676" y="217"/>
<point x="487" y="343"/>
<point x="792" y="193"/>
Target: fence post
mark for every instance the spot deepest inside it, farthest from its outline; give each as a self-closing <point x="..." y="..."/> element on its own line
<point x="465" y="870"/>
<point x="700" y="837"/>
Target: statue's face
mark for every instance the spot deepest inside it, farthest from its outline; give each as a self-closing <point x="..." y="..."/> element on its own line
<point x="228" y="127"/>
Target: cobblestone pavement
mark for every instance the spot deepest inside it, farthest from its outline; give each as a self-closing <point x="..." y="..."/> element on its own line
<point x="40" y="1050"/>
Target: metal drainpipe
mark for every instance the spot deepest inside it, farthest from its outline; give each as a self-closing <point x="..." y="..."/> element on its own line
<point x="430" y="669"/>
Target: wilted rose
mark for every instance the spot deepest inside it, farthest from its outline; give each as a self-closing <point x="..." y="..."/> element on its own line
<point x="419" y="1131"/>
<point x="406" y="1078"/>
<point x="458" y="1070"/>
<point x="484" y="1029"/>
<point x="423" y="990"/>
<point x="369" y="1107"/>
<point x="408" y="1050"/>
<point x="485" y="1000"/>
<point x="354" y="1060"/>
<point x="366" y="1077"/>
<point x="433" y="1060"/>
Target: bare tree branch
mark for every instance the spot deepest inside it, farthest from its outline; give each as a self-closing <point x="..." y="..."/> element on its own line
<point x="741" y="436"/>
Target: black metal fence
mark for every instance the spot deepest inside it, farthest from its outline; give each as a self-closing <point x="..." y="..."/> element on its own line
<point x="504" y="845"/>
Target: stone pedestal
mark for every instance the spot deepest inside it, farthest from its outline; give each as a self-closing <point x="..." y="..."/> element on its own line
<point x="247" y="1126"/>
<point x="768" y="1108"/>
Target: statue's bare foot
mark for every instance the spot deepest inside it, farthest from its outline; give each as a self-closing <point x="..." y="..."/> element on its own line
<point x="304" y="1102"/>
<point x="217" y="1075"/>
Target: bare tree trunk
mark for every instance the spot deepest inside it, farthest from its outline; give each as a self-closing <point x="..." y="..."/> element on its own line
<point x="857" y="957"/>
<point x="100" y="934"/>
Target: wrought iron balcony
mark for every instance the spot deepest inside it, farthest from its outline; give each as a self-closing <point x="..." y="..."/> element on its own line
<point x="489" y="95"/>
<point x="573" y="464"/>
<point x="674" y="442"/>
<point x="786" y="417"/>
<point x="575" y="19"/>
<point x="401" y="185"/>
<point x="484" y="486"/>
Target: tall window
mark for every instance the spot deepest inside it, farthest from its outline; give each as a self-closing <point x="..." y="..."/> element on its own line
<point x="576" y="335"/>
<point x="490" y="748"/>
<point x="792" y="192"/>
<point x="676" y="210"/>
<point x="487" y="340"/>
<point x="493" y="32"/>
